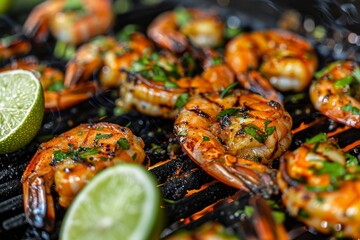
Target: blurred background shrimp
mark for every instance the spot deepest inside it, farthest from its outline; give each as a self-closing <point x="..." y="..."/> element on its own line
<point x="286" y="59"/>
<point x="69" y="21"/>
<point x="336" y="92"/>
<point x="107" y="54"/>
<point x="320" y="186"/>
<point x="171" y="30"/>
<point x="56" y="95"/>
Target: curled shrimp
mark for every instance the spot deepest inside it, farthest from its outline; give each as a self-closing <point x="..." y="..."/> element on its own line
<point x="12" y="46"/>
<point x="171" y="30"/>
<point x="70" y="161"/>
<point x="70" y="22"/>
<point x="320" y="186"/>
<point x="286" y="59"/>
<point x="336" y="92"/>
<point x="234" y="137"/>
<point x="108" y="55"/>
<point x="159" y="86"/>
<point x="56" y="96"/>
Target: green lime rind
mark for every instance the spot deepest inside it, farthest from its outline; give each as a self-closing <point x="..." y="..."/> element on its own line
<point x="21" y="109"/>
<point x="121" y="202"/>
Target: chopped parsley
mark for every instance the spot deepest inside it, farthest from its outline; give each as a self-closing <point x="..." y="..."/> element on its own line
<point x="217" y="61"/>
<point x="78" y="154"/>
<point x="123" y="143"/>
<point x="228" y="89"/>
<point x="320" y="137"/>
<point x="334" y="169"/>
<point x="326" y="69"/>
<point x="257" y="133"/>
<point x="351" y="160"/>
<point x="182" y="16"/>
<point x="205" y="138"/>
<point x="57" y="86"/>
<point x="170" y="84"/>
<point x="182" y="100"/>
<point x="351" y="109"/>
<point x="344" y="82"/>
<point x="133" y="157"/>
<point x="228" y="112"/>
<point x="74" y="6"/>
<point x="125" y="33"/>
<point x="101" y="136"/>
<point x="356" y="74"/>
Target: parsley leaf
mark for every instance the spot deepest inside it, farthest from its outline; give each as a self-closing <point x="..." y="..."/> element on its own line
<point x="101" y="136"/>
<point x="349" y="108"/>
<point x="320" y="137"/>
<point x="182" y="100"/>
<point x="227" y="90"/>
<point x="123" y="143"/>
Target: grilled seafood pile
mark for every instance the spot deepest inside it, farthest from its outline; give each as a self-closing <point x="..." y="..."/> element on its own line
<point x="224" y="97"/>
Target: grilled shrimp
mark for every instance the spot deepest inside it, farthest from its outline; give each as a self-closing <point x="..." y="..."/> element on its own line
<point x="320" y="185"/>
<point x="70" y="22"/>
<point x="171" y="30"/>
<point x="336" y="92"/>
<point x="107" y="54"/>
<point x="234" y="136"/>
<point x="70" y="161"/>
<point x="158" y="85"/>
<point x="13" y="46"/>
<point x="52" y="80"/>
<point x="287" y="60"/>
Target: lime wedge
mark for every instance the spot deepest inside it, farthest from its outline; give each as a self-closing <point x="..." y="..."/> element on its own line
<point x="21" y="109"/>
<point x="121" y="202"/>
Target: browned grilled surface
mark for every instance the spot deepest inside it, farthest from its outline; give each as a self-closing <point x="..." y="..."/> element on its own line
<point x="191" y="197"/>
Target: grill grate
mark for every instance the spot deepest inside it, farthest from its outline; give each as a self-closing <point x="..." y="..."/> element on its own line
<point x="191" y="197"/>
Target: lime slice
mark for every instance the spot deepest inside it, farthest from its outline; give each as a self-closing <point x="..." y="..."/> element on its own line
<point x="21" y="109"/>
<point x="121" y="202"/>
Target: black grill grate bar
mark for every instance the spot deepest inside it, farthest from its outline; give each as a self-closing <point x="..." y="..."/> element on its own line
<point x="198" y="201"/>
<point x="11" y="204"/>
<point x="10" y="189"/>
<point x="14" y="222"/>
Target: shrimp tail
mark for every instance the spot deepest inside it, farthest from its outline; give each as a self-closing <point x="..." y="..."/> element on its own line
<point x="38" y="203"/>
<point x="259" y="179"/>
<point x="256" y="83"/>
<point x="73" y="74"/>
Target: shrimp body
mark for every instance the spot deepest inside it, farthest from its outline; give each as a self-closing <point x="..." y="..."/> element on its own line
<point x="321" y="189"/>
<point x="232" y="137"/>
<point x="160" y="85"/>
<point x="336" y="92"/>
<point x="108" y="55"/>
<point x="171" y="30"/>
<point x="69" y="23"/>
<point x="70" y="161"/>
<point x="287" y="60"/>
<point x="56" y="96"/>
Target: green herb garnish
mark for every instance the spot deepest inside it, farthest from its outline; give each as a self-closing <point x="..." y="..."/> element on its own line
<point x="351" y="109"/>
<point x="302" y="213"/>
<point x="169" y="84"/>
<point x="182" y="100"/>
<point x="320" y="137"/>
<point x="205" y="138"/>
<point x="228" y="112"/>
<point x="125" y="33"/>
<point x="227" y="90"/>
<point x="133" y="157"/>
<point x="356" y="74"/>
<point x="57" y="86"/>
<point x="326" y="69"/>
<point x="344" y="82"/>
<point x="74" y="6"/>
<point x="334" y="169"/>
<point x="101" y="136"/>
<point x="351" y="160"/>
<point x="123" y="143"/>
<point x="256" y="132"/>
<point x="217" y="61"/>
<point x="182" y="16"/>
<point x="78" y="154"/>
